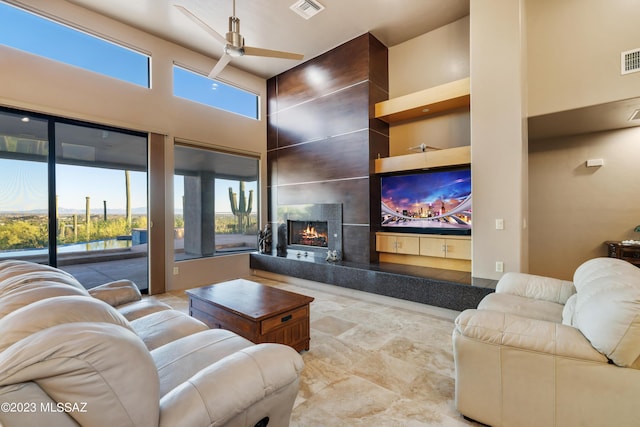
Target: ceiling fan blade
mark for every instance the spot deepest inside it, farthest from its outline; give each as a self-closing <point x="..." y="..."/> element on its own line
<point x="222" y="62"/>
<point x="256" y="51"/>
<point x="202" y="24"/>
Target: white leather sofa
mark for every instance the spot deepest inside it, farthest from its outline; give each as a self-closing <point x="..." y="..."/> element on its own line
<point x="107" y="357"/>
<point x="547" y="352"/>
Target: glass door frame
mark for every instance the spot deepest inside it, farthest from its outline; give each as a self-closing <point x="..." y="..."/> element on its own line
<point x="52" y="162"/>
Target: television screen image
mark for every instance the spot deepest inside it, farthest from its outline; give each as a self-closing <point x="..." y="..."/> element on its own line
<point x="433" y="201"/>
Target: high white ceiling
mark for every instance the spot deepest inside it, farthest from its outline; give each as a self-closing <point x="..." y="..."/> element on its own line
<point x="271" y="24"/>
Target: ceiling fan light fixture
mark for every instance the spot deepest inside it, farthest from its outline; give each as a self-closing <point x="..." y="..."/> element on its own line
<point x="234" y="51"/>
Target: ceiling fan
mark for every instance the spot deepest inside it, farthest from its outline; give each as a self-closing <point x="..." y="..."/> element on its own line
<point x="233" y="44"/>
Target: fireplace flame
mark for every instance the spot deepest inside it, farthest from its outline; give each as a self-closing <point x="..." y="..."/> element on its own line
<point x="310" y="233"/>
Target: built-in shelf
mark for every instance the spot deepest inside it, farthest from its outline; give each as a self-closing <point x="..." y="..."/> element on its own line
<point x="424" y="160"/>
<point x="426" y="102"/>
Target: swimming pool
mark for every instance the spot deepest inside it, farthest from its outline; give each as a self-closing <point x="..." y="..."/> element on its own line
<point x="96" y="245"/>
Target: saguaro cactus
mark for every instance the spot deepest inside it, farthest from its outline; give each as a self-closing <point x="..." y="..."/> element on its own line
<point x="127" y="189"/>
<point x="87" y="216"/>
<point x="241" y="209"/>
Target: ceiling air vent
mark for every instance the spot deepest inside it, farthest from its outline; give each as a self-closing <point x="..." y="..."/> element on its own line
<point x="630" y="61"/>
<point x="307" y="8"/>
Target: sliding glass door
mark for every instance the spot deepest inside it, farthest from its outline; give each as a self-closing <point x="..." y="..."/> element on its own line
<point x="83" y="189"/>
<point x="24" y="151"/>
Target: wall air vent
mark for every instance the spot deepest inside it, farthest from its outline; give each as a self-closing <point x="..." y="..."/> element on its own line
<point x="630" y="61"/>
<point x="307" y="8"/>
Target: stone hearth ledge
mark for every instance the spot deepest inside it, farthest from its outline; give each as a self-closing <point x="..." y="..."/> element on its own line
<point x="440" y="288"/>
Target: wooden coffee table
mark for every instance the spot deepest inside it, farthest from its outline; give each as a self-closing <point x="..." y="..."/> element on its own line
<point x="257" y="312"/>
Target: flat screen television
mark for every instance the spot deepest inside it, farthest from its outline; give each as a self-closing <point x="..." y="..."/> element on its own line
<point x="434" y="201"/>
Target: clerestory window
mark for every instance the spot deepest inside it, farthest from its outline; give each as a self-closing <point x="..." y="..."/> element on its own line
<point x="198" y="88"/>
<point x="35" y="34"/>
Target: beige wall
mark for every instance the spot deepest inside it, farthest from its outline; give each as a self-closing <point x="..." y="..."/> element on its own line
<point x="574" y="53"/>
<point x="434" y="58"/>
<point x="498" y="136"/>
<point x="36" y="84"/>
<point x="573" y="208"/>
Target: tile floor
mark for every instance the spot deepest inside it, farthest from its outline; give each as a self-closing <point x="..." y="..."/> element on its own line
<point x="373" y="360"/>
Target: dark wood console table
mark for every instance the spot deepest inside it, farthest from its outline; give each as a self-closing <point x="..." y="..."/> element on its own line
<point x="627" y="252"/>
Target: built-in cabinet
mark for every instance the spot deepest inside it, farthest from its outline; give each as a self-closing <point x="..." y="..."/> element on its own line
<point x="448" y="252"/>
<point x="397" y="243"/>
<point x="453" y="247"/>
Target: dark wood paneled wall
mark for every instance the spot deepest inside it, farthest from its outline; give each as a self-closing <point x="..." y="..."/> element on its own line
<point x="323" y="138"/>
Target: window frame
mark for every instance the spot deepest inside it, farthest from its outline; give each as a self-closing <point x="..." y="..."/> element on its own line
<point x="140" y="77"/>
<point x="52" y="161"/>
<point x="216" y="83"/>
<point x="214" y="151"/>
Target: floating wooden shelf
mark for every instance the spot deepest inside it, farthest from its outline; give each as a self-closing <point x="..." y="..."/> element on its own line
<point x="428" y="159"/>
<point x="426" y="102"/>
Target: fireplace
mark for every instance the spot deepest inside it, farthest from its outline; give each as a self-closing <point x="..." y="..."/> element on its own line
<point x="310" y="228"/>
<point x="308" y="233"/>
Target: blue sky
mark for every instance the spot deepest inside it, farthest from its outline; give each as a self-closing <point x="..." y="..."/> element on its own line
<point x="30" y="33"/>
<point x="222" y="203"/>
<point x="26" y="187"/>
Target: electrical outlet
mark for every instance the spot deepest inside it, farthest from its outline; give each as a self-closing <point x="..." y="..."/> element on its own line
<point x="499" y="224"/>
<point x="499" y="266"/>
<point x="176" y="271"/>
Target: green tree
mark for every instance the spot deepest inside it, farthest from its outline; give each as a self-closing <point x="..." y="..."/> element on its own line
<point x="23" y="234"/>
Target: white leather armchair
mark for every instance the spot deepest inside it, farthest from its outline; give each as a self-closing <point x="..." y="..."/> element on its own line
<point x="536" y="353"/>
